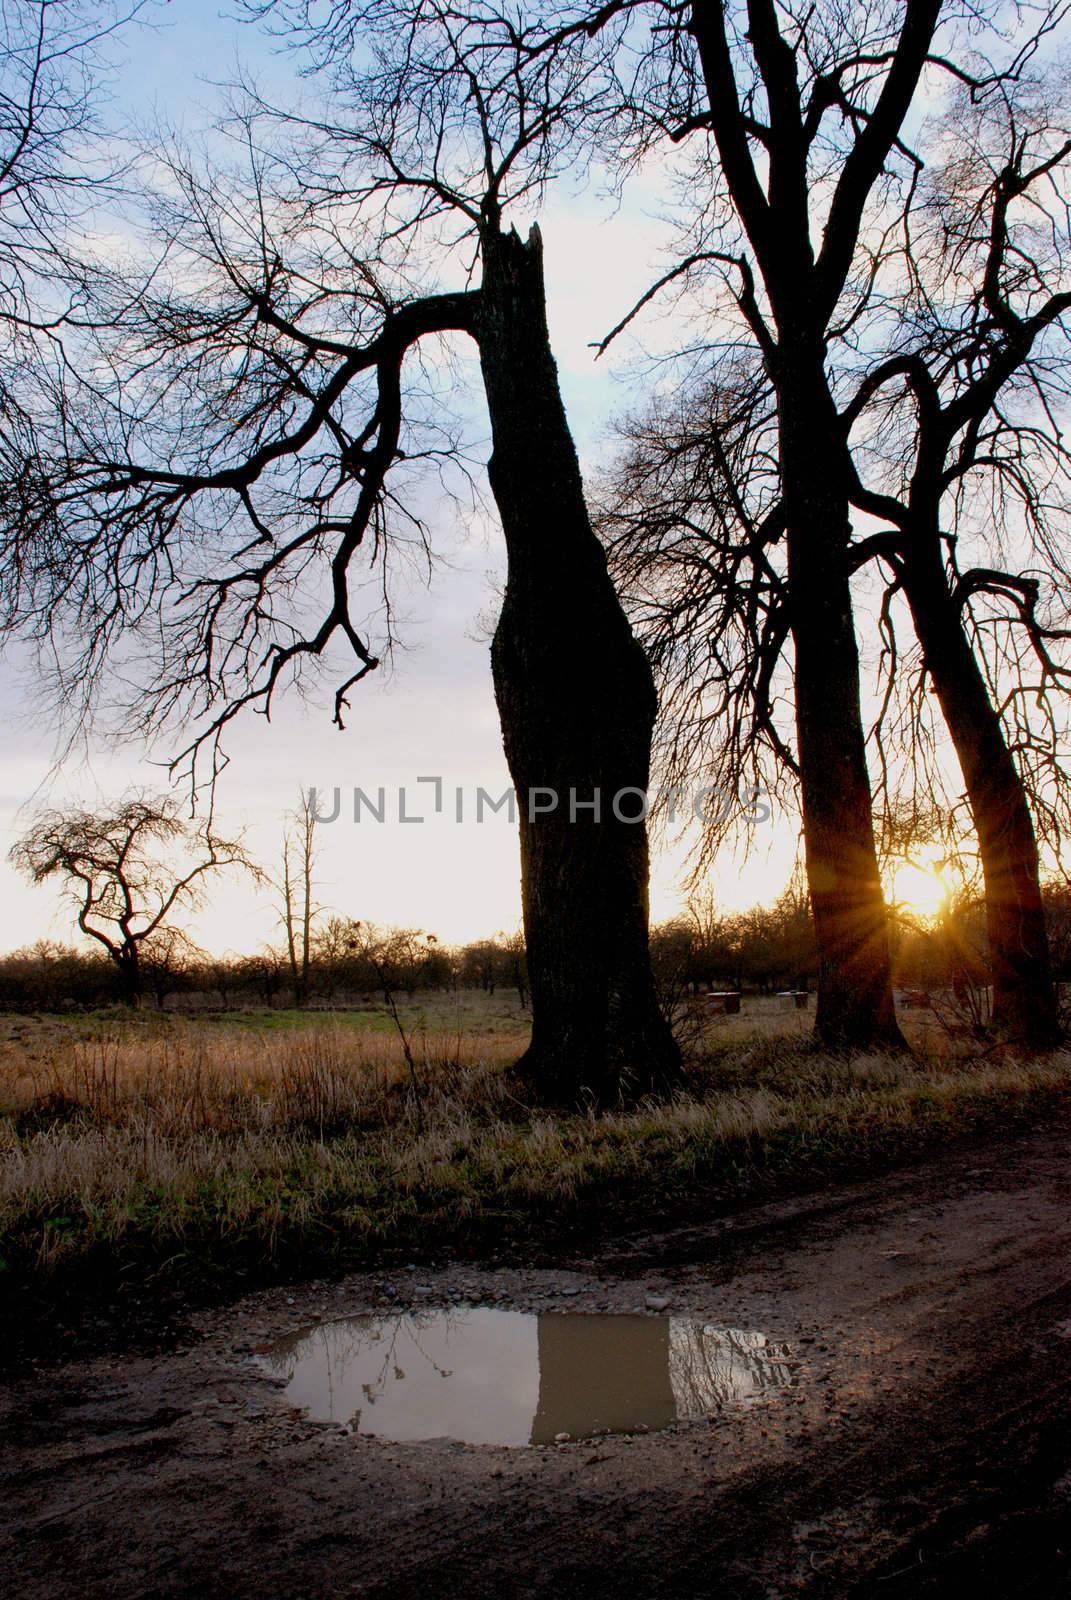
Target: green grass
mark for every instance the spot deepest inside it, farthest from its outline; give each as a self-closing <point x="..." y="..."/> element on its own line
<point x="184" y="1154"/>
<point x="434" y="1013"/>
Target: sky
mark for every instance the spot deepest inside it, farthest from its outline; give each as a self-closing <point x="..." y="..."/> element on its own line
<point x="432" y="713"/>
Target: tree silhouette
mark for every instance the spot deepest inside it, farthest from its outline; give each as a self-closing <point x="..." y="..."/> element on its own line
<point x="126" y="871"/>
<point x="249" y="439"/>
<point x="949" y="406"/>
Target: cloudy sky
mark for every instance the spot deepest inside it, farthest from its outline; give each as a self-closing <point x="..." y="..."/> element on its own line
<point x="432" y="713"/>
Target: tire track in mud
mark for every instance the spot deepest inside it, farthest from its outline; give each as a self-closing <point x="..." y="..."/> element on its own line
<point x="926" y="1446"/>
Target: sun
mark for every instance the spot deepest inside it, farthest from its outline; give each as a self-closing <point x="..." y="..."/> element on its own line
<point x="919" y="886"/>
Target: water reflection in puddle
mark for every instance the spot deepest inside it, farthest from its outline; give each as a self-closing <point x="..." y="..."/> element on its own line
<point x="485" y="1376"/>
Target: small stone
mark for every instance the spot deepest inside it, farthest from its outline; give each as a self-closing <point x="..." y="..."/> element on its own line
<point x="561" y="1438"/>
<point x="571" y="1291"/>
<point x="657" y="1302"/>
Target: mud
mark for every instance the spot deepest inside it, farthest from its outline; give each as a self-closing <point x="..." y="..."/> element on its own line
<point x="921" y="1445"/>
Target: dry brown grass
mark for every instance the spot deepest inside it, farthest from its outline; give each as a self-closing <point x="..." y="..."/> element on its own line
<point x="191" y="1145"/>
<point x="189" y="1077"/>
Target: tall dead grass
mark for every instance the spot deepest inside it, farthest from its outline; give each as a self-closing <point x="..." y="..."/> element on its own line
<point x="196" y="1142"/>
<point x="195" y="1078"/>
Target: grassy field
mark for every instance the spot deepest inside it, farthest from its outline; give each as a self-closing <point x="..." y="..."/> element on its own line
<point x="165" y="1154"/>
<point x="160" y="1150"/>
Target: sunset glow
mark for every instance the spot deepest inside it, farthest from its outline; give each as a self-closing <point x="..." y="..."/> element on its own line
<point x="920" y="887"/>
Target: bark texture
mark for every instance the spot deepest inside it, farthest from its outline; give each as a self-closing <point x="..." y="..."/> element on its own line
<point x="1024" y="995"/>
<point x="577" y="705"/>
<point x="855" y="1000"/>
<point x="804" y="283"/>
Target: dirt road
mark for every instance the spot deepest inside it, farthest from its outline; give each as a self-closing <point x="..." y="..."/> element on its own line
<point x="923" y="1448"/>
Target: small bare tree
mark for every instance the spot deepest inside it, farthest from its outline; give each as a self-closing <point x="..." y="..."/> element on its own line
<point x="299" y="912"/>
<point x="126" y="871"/>
<point x="517" y="960"/>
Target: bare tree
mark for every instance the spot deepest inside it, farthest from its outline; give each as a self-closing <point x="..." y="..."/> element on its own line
<point x="799" y="115"/>
<point x="951" y="392"/>
<point x="517" y="961"/>
<point x="265" y="973"/>
<point x="166" y="958"/>
<point x="691" y="516"/>
<point x="58" y="167"/>
<point x="54" y="161"/>
<point x="972" y="480"/>
<point x="798" y="126"/>
<point x="299" y="911"/>
<point x="126" y="871"/>
<point x="232" y="451"/>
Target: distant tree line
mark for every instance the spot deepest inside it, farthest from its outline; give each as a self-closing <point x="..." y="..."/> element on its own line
<point x="350" y="964"/>
<point x="760" y="951"/>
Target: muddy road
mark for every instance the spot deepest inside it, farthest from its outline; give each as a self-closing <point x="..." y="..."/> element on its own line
<point x="922" y="1445"/>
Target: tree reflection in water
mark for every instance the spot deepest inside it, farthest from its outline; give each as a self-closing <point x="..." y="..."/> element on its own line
<point x="487" y="1376"/>
<point x="711" y="1367"/>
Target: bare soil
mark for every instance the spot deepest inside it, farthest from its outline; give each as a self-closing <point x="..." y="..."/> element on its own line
<point x="924" y="1448"/>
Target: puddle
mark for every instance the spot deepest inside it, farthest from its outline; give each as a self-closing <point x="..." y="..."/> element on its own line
<point x="486" y="1376"/>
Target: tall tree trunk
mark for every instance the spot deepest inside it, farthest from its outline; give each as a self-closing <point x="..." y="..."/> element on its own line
<point x="783" y="209"/>
<point x="1024" y="995"/>
<point x="577" y="705"/>
<point x="855" y="1001"/>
